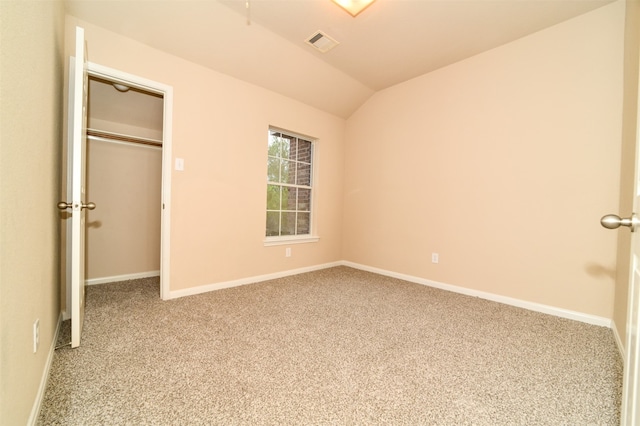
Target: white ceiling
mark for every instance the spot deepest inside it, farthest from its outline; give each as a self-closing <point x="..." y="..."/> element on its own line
<point x="390" y="42"/>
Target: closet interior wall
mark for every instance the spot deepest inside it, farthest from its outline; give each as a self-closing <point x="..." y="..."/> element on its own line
<point x="124" y="180"/>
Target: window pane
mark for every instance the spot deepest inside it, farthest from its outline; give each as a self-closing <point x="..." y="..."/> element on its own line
<point x="288" y="223"/>
<point x="273" y="197"/>
<point x="273" y="170"/>
<point x="293" y="149"/>
<point x="304" y="174"/>
<point x="275" y="144"/>
<point x="303" y="153"/>
<point x="304" y="200"/>
<point x="288" y="172"/>
<point x="273" y="224"/>
<point x="288" y="198"/>
<point x="286" y="145"/>
<point x="304" y="223"/>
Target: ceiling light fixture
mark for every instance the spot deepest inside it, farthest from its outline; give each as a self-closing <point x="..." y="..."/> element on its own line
<point x="354" y="7"/>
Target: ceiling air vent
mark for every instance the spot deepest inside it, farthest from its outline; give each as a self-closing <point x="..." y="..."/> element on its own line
<point x="322" y="42"/>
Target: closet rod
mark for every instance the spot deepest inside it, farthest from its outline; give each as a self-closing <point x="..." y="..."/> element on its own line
<point x="123" y="138"/>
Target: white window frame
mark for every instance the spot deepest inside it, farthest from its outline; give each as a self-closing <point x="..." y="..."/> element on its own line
<point x="312" y="236"/>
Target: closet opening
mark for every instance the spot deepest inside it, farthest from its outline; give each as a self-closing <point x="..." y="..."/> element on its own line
<point x="139" y="121"/>
<point x="124" y="178"/>
<point x="125" y="126"/>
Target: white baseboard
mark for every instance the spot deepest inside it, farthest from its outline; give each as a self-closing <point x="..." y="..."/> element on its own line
<point x="126" y="277"/>
<point x="37" y="404"/>
<point x="250" y="280"/>
<point x="551" y="310"/>
<point x="619" y="341"/>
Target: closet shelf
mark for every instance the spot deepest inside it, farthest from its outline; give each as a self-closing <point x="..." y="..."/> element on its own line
<point x="123" y="138"/>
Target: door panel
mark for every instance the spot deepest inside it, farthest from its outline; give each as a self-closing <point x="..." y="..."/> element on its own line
<point x="630" y="414"/>
<point x="631" y="391"/>
<point x="78" y="92"/>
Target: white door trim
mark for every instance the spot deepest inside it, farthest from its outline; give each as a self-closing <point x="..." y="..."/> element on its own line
<point x="166" y="91"/>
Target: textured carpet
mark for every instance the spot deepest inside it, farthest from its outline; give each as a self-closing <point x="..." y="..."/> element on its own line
<point x="337" y="346"/>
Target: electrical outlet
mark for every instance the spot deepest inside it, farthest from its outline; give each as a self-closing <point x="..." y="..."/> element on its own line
<point x="287" y="252"/>
<point x="435" y="257"/>
<point x="36" y="335"/>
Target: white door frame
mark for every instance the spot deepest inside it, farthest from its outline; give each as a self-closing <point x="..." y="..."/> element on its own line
<point x="110" y="74"/>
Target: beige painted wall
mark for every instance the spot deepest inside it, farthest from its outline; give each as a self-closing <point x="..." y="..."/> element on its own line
<point x="503" y="164"/>
<point x="31" y="70"/>
<point x="123" y="232"/>
<point x="629" y="135"/>
<point x="220" y="130"/>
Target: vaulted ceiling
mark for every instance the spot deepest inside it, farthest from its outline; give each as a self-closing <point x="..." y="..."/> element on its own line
<point x="263" y="41"/>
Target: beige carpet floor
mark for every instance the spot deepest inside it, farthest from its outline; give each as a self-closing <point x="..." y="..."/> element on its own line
<point x="332" y="347"/>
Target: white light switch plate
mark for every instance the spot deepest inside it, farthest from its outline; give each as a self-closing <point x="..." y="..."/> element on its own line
<point x="180" y="164"/>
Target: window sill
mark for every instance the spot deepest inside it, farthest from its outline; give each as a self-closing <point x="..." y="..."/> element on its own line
<point x="279" y="241"/>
